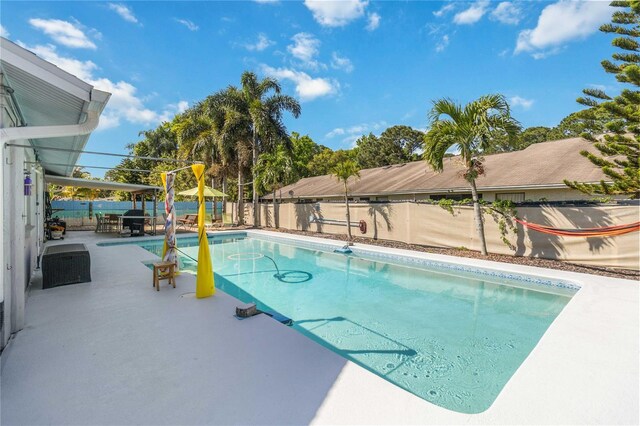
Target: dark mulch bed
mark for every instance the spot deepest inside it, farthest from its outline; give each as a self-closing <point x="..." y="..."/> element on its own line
<point x="518" y="260"/>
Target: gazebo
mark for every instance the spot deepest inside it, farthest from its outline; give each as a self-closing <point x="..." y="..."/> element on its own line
<point x="135" y="189"/>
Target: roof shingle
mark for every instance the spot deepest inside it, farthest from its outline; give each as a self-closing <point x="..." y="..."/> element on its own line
<point x="541" y="164"/>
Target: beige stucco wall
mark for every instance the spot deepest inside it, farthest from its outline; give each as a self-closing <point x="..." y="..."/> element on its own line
<point x="434" y="226"/>
<point x="557" y="194"/>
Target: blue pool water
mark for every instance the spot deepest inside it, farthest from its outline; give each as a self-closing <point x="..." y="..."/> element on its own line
<point x="453" y="339"/>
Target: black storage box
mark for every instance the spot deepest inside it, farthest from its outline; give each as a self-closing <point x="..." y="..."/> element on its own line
<point x="65" y="264"/>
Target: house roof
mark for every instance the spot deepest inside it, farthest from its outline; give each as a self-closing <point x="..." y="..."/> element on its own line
<point x="49" y="96"/>
<point x="541" y="165"/>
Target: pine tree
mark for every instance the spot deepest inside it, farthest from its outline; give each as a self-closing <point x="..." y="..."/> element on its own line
<point x="622" y="144"/>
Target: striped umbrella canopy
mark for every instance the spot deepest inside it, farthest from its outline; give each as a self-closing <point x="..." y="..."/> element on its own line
<point x="169" y="252"/>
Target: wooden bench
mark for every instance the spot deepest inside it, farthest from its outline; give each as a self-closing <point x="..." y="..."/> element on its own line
<point x="164" y="271"/>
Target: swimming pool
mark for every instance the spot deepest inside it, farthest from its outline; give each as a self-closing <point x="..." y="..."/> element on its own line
<point x="447" y="333"/>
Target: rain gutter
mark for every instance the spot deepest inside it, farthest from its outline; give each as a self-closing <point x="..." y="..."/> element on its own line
<point x="10" y="134"/>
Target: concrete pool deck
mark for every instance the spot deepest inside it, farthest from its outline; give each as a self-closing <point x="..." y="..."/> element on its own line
<point x="114" y="351"/>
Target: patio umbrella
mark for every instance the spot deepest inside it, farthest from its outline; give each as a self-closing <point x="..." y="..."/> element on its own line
<point x="208" y="192"/>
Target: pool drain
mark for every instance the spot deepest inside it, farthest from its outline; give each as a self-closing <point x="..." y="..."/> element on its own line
<point x="291" y="277"/>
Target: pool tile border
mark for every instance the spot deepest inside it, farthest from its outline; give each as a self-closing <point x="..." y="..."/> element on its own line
<point x="402" y="259"/>
<point x="419" y="261"/>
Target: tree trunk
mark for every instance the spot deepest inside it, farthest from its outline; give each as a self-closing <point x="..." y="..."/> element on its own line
<point x="254" y="162"/>
<point x="478" y="218"/>
<point x="276" y="219"/>
<point x="213" y="203"/>
<point x="240" y="197"/>
<point x="224" y="191"/>
<point x="346" y="201"/>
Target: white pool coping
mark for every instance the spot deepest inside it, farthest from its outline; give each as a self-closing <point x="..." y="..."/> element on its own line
<point x="584" y="369"/>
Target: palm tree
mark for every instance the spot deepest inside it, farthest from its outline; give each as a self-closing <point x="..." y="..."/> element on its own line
<point x="471" y="130"/>
<point x="159" y="142"/>
<point x="261" y="115"/>
<point x="218" y="134"/>
<point x="343" y="171"/>
<point x="274" y="170"/>
<point x="233" y="138"/>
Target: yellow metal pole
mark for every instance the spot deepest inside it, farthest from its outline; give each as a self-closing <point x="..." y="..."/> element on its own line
<point x="205" y="285"/>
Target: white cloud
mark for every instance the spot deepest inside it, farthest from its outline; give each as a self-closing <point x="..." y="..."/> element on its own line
<point x="341" y="63"/>
<point x="63" y="32"/>
<point x="335" y="132"/>
<point x="435" y="28"/>
<point x="473" y="14"/>
<point x="544" y="53"/>
<point x="444" y="10"/>
<point x="124" y="103"/>
<point x="330" y="13"/>
<point x="443" y="43"/>
<point x="108" y="120"/>
<point x="373" y="22"/>
<point x="353" y="133"/>
<point x="307" y="87"/>
<point x="81" y="69"/>
<point x="181" y="106"/>
<point x="507" y="13"/>
<point x="124" y="12"/>
<point x="189" y="24"/>
<point x="521" y="102"/>
<point x="261" y="44"/>
<point x="3" y="31"/>
<point x="305" y="48"/>
<point x="562" y="22"/>
<point x="172" y="109"/>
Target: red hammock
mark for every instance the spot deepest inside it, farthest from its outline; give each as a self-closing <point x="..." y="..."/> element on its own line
<point x="607" y="231"/>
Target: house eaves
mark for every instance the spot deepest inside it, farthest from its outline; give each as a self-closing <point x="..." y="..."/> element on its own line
<point x="59" y="109"/>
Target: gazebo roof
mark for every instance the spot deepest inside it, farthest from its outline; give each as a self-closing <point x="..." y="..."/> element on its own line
<point x="101" y="184"/>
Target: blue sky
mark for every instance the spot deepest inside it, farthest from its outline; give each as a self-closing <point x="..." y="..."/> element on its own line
<point x="357" y="66"/>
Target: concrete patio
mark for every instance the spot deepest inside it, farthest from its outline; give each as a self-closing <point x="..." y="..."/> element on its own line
<point x="114" y="351"/>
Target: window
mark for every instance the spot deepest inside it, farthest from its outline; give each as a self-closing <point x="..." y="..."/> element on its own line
<point x="516" y="197"/>
<point x="454" y="197"/>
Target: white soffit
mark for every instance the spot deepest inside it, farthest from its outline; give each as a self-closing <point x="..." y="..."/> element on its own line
<point x="49" y="96"/>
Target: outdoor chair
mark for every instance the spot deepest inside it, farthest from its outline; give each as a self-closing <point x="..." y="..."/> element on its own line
<point x="189" y="220"/>
<point x="110" y="223"/>
<point x="227" y="221"/>
<point x="99" y="222"/>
